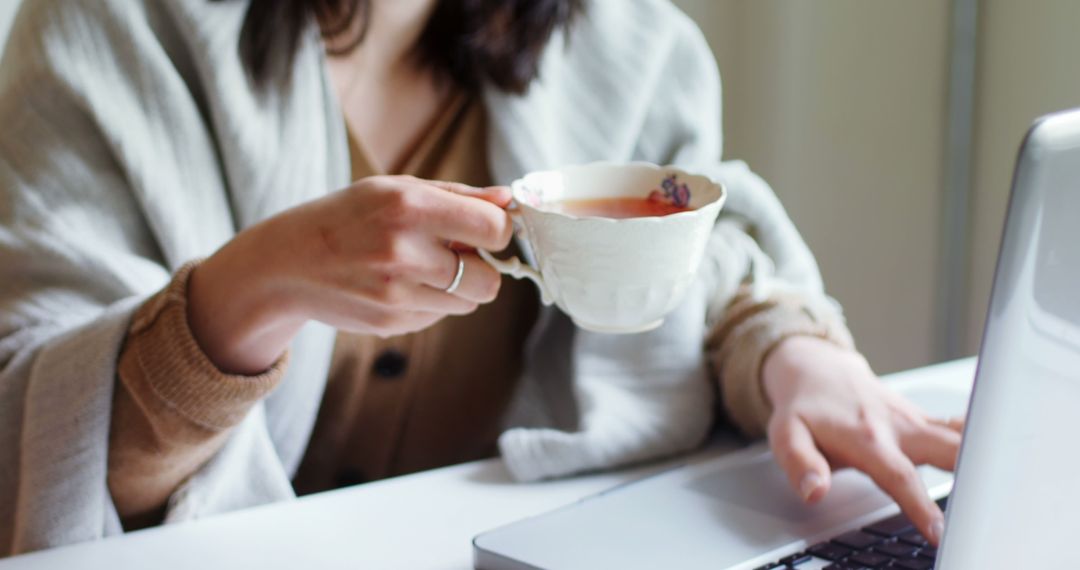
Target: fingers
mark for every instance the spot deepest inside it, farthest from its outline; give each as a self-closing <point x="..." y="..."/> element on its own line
<point x="793" y="446"/>
<point x="955" y="424"/>
<point x="896" y="475"/>
<point x="479" y="281"/>
<point x="425" y="299"/>
<point x="474" y="217"/>
<point x="468" y="221"/>
<point x="934" y="444"/>
<point x="498" y="195"/>
<point x="456" y="212"/>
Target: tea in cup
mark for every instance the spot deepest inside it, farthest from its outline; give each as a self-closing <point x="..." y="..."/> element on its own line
<point x="614" y="246"/>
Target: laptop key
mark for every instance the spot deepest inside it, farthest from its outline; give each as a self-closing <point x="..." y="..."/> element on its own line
<point x="890" y="527"/>
<point x="928" y="552"/>
<point x="870" y="559"/>
<point x="858" y="540"/>
<point x="897" y="550"/>
<point x="914" y="538"/>
<point x="829" y="551"/>
<point x="914" y="564"/>
<point x="795" y="559"/>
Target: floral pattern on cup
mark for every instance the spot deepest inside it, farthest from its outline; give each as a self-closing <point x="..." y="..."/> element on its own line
<point x="672" y="192"/>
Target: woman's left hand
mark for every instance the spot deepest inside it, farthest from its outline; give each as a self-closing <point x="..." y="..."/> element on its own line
<point x="831" y="411"/>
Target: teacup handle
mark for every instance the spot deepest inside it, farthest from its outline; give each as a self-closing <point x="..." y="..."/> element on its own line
<point x="516" y="269"/>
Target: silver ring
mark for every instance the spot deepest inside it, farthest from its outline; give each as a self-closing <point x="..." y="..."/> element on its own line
<point x="457" y="276"/>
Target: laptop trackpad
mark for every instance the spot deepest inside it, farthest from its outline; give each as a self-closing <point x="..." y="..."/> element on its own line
<point x="761" y="486"/>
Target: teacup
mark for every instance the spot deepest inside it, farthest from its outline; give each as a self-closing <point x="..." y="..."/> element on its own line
<point x="612" y="275"/>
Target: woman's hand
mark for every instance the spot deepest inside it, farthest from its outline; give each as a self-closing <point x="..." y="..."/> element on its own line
<point x="830" y="411"/>
<point x="372" y="258"/>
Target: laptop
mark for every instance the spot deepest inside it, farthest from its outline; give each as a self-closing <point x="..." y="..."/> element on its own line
<point x="1015" y="500"/>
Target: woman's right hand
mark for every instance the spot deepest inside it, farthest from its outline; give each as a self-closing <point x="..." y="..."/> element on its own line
<point x="372" y="258"/>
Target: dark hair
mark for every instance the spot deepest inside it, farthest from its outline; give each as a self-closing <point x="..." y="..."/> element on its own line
<point x="469" y="41"/>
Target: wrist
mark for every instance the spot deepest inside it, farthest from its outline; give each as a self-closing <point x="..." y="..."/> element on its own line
<point x="238" y="320"/>
<point x="785" y="362"/>
<point x="798" y="357"/>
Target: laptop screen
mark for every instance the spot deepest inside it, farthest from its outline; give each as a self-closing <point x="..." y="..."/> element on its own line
<point x="1057" y="270"/>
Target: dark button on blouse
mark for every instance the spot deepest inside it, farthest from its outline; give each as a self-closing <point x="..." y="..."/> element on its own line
<point x="390" y="364"/>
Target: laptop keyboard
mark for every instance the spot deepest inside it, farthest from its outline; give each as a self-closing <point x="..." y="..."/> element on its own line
<point x="891" y="543"/>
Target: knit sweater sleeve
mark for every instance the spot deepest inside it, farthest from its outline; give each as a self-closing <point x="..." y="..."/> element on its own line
<point x="172" y="408"/>
<point x="739" y="343"/>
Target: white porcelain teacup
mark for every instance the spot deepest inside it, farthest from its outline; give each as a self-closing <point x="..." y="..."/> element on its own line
<point x="612" y="275"/>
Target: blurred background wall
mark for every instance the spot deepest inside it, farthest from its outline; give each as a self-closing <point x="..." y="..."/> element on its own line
<point x="842" y="106"/>
<point x="7" y="12"/>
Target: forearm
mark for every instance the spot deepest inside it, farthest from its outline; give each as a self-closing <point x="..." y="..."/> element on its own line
<point x="172" y="409"/>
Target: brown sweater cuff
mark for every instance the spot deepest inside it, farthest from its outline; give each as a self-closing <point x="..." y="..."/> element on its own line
<point x="750" y="330"/>
<point x="180" y="374"/>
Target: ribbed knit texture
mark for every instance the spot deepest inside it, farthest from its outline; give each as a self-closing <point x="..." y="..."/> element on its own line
<point x="176" y="370"/>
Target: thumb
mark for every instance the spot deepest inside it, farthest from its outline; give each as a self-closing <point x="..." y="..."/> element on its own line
<point x="498" y="195"/>
<point x="793" y="446"/>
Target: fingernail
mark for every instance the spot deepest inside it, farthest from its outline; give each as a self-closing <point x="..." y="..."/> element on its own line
<point x="937" y="529"/>
<point x="810" y="483"/>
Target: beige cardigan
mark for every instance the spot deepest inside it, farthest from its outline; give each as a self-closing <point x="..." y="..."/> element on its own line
<point x="132" y="142"/>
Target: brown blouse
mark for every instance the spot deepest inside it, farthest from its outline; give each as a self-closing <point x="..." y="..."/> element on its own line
<point x="435" y="397"/>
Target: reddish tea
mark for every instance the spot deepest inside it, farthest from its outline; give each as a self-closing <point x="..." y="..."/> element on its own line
<point x="617" y="207"/>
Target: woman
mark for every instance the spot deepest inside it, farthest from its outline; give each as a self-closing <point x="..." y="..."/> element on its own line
<point x="140" y="385"/>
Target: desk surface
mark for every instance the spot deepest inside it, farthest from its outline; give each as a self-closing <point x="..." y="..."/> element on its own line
<point x="425" y="520"/>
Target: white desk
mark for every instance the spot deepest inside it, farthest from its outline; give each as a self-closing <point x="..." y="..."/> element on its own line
<point x="426" y="520"/>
